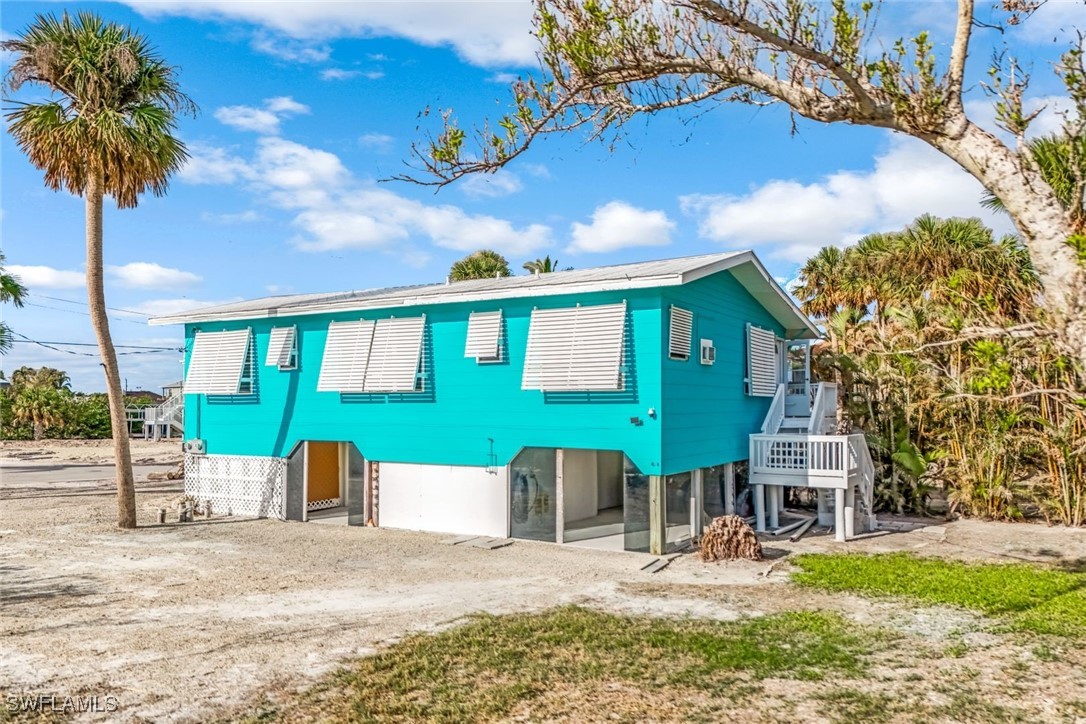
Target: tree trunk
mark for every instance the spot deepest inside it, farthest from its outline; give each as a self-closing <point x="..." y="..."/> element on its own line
<point x="96" y="299"/>
<point x="1044" y="225"/>
<point x="39" y="430"/>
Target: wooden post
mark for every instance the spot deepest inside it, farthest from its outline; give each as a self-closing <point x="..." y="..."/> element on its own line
<point x="839" y="515"/>
<point x="774" y="493"/>
<point x="697" y="501"/>
<point x="657" y="516"/>
<point x="850" y="512"/>
<point x="729" y="489"/>
<point x="559" y="495"/>
<point x="759" y="507"/>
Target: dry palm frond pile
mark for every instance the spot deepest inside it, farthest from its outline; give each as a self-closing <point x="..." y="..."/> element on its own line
<point x="728" y="538"/>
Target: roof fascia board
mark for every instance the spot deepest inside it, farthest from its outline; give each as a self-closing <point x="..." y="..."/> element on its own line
<point x="805" y="329"/>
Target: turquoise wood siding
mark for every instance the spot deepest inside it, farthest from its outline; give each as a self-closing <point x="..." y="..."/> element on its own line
<point x="470" y="414"/>
<point x="706" y="415"/>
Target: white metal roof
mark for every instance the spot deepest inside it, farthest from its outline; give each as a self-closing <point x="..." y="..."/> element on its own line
<point x="746" y="267"/>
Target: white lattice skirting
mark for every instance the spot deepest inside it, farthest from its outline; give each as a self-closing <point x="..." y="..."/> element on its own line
<point x="322" y="504"/>
<point x="238" y="484"/>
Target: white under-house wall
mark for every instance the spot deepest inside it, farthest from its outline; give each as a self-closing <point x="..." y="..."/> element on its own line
<point x="579" y="479"/>
<point x="455" y="499"/>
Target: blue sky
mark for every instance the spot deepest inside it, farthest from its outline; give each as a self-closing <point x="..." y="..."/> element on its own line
<point x="304" y="107"/>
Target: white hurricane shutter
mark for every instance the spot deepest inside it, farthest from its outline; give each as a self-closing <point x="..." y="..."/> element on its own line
<point x="280" y="347"/>
<point x="575" y="349"/>
<point x="484" y="336"/>
<point x="394" y="357"/>
<point x="680" y="332"/>
<point x="216" y="362"/>
<point x="761" y="361"/>
<point x="346" y="356"/>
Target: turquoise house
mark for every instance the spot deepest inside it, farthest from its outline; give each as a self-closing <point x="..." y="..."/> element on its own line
<point x="591" y="406"/>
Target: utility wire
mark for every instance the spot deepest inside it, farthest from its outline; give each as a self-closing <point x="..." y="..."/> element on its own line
<point x="85" y="314"/>
<point x="85" y="304"/>
<point x="51" y="345"/>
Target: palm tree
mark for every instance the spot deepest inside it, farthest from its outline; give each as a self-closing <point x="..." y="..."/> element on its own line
<point x="107" y="129"/>
<point x="541" y="266"/>
<point x="40" y="406"/>
<point x="48" y="378"/>
<point x="1061" y="160"/>
<point x="11" y="291"/>
<point x="482" y="264"/>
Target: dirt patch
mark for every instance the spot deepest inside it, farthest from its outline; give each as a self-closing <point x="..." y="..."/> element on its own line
<point x="181" y="621"/>
<point x="144" y="452"/>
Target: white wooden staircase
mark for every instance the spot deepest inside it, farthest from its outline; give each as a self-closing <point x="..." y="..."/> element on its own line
<point x="166" y="419"/>
<point x="798" y="446"/>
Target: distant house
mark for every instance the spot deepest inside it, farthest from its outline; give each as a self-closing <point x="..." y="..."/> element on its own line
<point x="144" y="397"/>
<point x="602" y="407"/>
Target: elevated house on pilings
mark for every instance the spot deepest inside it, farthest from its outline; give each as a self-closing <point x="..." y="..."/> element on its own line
<point x="600" y="407"/>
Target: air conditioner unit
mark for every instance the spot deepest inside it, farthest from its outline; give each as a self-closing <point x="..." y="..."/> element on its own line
<point x="708" y="352"/>
<point x="196" y="446"/>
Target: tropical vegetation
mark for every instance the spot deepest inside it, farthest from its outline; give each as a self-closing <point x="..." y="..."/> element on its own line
<point x="11" y="292"/>
<point x="482" y="264"/>
<point x="948" y="361"/>
<point x="106" y="129"/>
<point x="545" y="265"/>
<point x="39" y="403"/>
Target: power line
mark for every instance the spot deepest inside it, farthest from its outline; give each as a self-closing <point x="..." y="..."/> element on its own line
<point x="85" y="304"/>
<point x="85" y="314"/>
<point x="51" y="346"/>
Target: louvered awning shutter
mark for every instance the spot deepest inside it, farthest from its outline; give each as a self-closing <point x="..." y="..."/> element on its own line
<point x="216" y="362"/>
<point x="394" y="356"/>
<point x="280" y="347"/>
<point x="680" y="332"/>
<point x="761" y="361"/>
<point x="346" y="356"/>
<point x="484" y="336"/>
<point x="575" y="349"/>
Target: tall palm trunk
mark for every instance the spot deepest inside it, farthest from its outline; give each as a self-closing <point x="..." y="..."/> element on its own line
<point x="96" y="298"/>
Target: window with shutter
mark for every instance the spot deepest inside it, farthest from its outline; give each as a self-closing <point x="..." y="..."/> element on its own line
<point x="680" y="332"/>
<point x="395" y="355"/>
<point x="218" y="362"/>
<point x="346" y="356"/>
<point x="484" y="336"/>
<point x="575" y="349"/>
<point x="761" y="362"/>
<point x="282" y="348"/>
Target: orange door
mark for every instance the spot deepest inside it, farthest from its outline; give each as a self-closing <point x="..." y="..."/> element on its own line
<point x="323" y="464"/>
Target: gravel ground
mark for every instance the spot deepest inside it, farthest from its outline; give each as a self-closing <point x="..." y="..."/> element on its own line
<point x="185" y="621"/>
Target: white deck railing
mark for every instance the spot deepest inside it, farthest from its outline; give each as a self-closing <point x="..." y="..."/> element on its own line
<point x="819" y="461"/>
<point x="171" y="412"/>
<point x="823" y="409"/>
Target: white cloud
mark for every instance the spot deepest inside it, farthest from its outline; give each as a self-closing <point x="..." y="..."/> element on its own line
<point x="333" y="210"/>
<point x="491" y="185"/>
<point x="618" y="225"/>
<point x="149" y="275"/>
<point x="500" y="35"/>
<point x="1053" y="22"/>
<point x="46" y="277"/>
<point x="374" y="74"/>
<point x="211" y="165"/>
<point x="789" y="220"/>
<point x="376" y="141"/>
<point x="502" y="78"/>
<point x="161" y="307"/>
<point x="339" y="74"/>
<point x="290" y="50"/>
<point x="261" y="120"/>
<point x="241" y="217"/>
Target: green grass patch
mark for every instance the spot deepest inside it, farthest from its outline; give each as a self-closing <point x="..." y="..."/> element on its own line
<point x="1029" y="598"/>
<point x="571" y="657"/>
